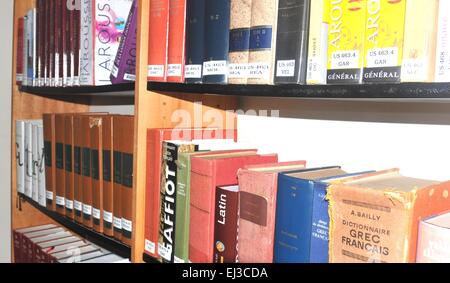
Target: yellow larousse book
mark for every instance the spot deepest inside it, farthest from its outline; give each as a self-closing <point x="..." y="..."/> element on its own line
<point x="347" y="20"/>
<point x="385" y="26"/>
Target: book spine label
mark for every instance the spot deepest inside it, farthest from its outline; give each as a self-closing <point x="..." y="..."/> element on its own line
<point x="346" y="41"/>
<point x="317" y="43"/>
<point x="384" y="48"/>
<point x="77" y="205"/>
<point x="20" y="156"/>
<point x="195" y="34"/>
<point x="19" y="51"/>
<point x="292" y="41"/>
<point x="442" y="71"/>
<point x="176" y="47"/>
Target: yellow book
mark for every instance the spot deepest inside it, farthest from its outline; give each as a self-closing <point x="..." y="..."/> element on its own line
<point x="385" y="26"/>
<point x="318" y="43"/>
<point x="419" y="49"/>
<point x="346" y="41"/>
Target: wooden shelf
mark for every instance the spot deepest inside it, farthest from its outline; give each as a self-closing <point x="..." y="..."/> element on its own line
<point x="119" y="90"/>
<point x="148" y="259"/>
<point x="95" y="237"/>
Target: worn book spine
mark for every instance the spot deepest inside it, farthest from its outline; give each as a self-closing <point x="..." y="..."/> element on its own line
<point x="240" y="21"/>
<point x="108" y="165"/>
<point x="86" y="43"/>
<point x="20" y="51"/>
<point x="292" y="41"/>
<point x="346" y="42"/>
<point x="419" y="48"/>
<point x="195" y="37"/>
<point x="59" y="158"/>
<point x="68" y="164"/>
<point x="176" y="42"/>
<point x="49" y="147"/>
<point x="20" y="156"/>
<point x="385" y="26"/>
<point x="263" y="37"/>
<point x="442" y="69"/>
<point x="96" y="129"/>
<point x="77" y="169"/>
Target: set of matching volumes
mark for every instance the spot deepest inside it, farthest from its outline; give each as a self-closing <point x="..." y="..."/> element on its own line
<point x="89" y="170"/>
<point x="299" y="41"/>
<point x="77" y="43"/>
<point x="53" y="244"/>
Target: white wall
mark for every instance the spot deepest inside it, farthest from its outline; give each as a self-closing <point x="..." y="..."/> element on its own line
<point x="6" y="24"/>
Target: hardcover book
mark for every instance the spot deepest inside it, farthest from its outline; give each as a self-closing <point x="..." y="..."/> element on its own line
<point x="69" y="165"/>
<point x="51" y="43"/>
<point x="442" y="69"/>
<point x="76" y="46"/>
<point x="176" y="41"/>
<point x="60" y="184"/>
<point x="20" y="51"/>
<point x="31" y="47"/>
<point x="86" y="171"/>
<point x="258" y="186"/>
<point x="108" y="166"/>
<point x="419" y="48"/>
<point x="18" y="238"/>
<point x="50" y="148"/>
<point x="217" y="27"/>
<point x="20" y="156"/>
<point x="60" y="43"/>
<point x="263" y="36"/>
<point x="240" y="21"/>
<point x="346" y="41"/>
<point x="25" y="50"/>
<point x="86" y="43"/>
<point x="292" y="41"/>
<point x="35" y="156"/>
<point x="385" y="26"/>
<point x="158" y="41"/>
<point x="77" y="168"/>
<point x="433" y="244"/>
<point x="28" y="159"/>
<point x="375" y="217"/>
<point x="195" y="40"/>
<point x="41" y="166"/>
<point x="96" y="130"/>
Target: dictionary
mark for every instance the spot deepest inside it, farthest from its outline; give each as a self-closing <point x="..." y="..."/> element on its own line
<point x="86" y="171"/>
<point x="86" y="43"/>
<point x="375" y="217"/>
<point x="60" y="184"/>
<point x="35" y="156"/>
<point x="49" y="148"/>
<point x="346" y="41"/>
<point x="96" y="131"/>
<point x="28" y="159"/>
<point x="442" y="69"/>
<point x="433" y="244"/>
<point x="41" y="166"/>
<point x="176" y="41"/>
<point x="18" y="236"/>
<point x="69" y="165"/>
<point x="20" y="156"/>
<point x="77" y="169"/>
<point x="108" y="165"/>
<point x="195" y="37"/>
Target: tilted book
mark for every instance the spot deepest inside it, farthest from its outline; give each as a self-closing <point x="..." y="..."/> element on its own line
<point x="433" y="244"/>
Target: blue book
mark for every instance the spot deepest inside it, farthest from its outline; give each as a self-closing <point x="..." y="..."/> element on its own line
<point x="217" y="28"/>
<point x="302" y="220"/>
<point x="195" y="39"/>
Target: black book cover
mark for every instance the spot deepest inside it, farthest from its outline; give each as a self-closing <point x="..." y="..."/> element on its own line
<point x="195" y="39"/>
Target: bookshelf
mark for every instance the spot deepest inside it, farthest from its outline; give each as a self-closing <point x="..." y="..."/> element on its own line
<point x="121" y="90"/>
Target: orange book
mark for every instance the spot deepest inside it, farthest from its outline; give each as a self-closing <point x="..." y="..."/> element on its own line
<point x="177" y="35"/>
<point x="96" y="127"/>
<point x="68" y="160"/>
<point x="86" y="183"/>
<point x="59" y="158"/>
<point x="375" y="217"/>
<point x="77" y="166"/>
<point x="157" y="45"/>
<point x="108" y="161"/>
<point x="50" y="174"/>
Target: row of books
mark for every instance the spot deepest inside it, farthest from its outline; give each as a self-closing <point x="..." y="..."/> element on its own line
<point x="84" y="171"/>
<point x="214" y="200"/>
<point x="61" y="43"/>
<point x="53" y="244"/>
<point x="299" y="41"/>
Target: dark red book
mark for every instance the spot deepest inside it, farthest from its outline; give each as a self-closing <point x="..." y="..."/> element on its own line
<point x="51" y="46"/>
<point x="177" y="35"/>
<point x="20" y="52"/>
<point x="68" y="47"/>
<point x="18" y="238"/>
<point x="157" y="45"/>
<point x="42" y="15"/>
<point x="60" y="32"/>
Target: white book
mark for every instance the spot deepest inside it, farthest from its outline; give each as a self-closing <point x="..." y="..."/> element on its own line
<point x="41" y="168"/>
<point x="20" y="156"/>
<point x="442" y="71"/>
<point x="35" y="156"/>
<point x="28" y="158"/>
<point x="86" y="45"/>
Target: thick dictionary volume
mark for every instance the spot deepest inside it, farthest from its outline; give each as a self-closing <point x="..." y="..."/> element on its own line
<point x="77" y="169"/>
<point x="42" y="17"/>
<point x="157" y="45"/>
<point x="217" y="26"/>
<point x="419" y="47"/>
<point x="35" y="155"/>
<point x="76" y="46"/>
<point x="346" y="41"/>
<point x="49" y="148"/>
<point x="96" y="129"/>
<point x="195" y="35"/>
<point x="263" y="36"/>
<point x="68" y="164"/>
<point x="59" y="158"/>
<point x="385" y="25"/>
<point x="442" y="70"/>
<point x="433" y="245"/>
<point x="60" y="43"/>
<point x="124" y="69"/>
<point x="19" y="51"/>
<point x="292" y="41"/>
<point x="108" y="165"/>
<point x="51" y="43"/>
<point x="68" y="47"/>
<point x="240" y="21"/>
<point x="28" y="159"/>
<point x="20" y="156"/>
<point x="176" y="43"/>
<point x="41" y="167"/>
<point x="86" y="44"/>
<point x="318" y="43"/>
<point x="86" y="171"/>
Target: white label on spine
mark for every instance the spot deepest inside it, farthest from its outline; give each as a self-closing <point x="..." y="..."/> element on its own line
<point x="60" y="200"/>
<point x="87" y="209"/>
<point x="107" y="216"/>
<point x="76" y="81"/>
<point x="149" y="246"/>
<point x="345" y="59"/>
<point x="117" y="222"/>
<point x="212" y="68"/>
<point x="414" y="70"/>
<point x="156" y="71"/>
<point x="258" y="71"/>
<point x="442" y="71"/>
<point x="164" y="252"/>
<point x="174" y="70"/>
<point x="382" y="57"/>
<point x="177" y="260"/>
<point x="193" y="71"/>
<point x="129" y="77"/>
<point x="69" y="204"/>
<point x="127" y="225"/>
<point x="19" y="77"/>
<point x="115" y="71"/>
<point x="237" y="71"/>
<point x="285" y="68"/>
<point x="78" y="205"/>
<point x="96" y="213"/>
<point x="49" y="195"/>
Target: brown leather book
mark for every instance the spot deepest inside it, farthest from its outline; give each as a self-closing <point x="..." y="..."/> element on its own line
<point x="68" y="165"/>
<point x="77" y="162"/>
<point x="117" y="178"/>
<point x="49" y="145"/>
<point x="60" y="184"/>
<point x="86" y="183"/>
<point x="95" y="124"/>
<point x="107" y="164"/>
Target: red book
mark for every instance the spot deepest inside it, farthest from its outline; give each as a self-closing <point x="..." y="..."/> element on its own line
<point x="19" y="52"/>
<point x="208" y="173"/>
<point x="157" y="45"/>
<point x="155" y="138"/>
<point x="258" y="186"/>
<point x="177" y="35"/>
<point x="18" y="237"/>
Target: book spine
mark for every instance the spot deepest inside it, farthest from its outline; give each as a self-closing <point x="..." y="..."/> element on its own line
<point x="108" y="165"/>
<point x="240" y="21"/>
<point x="25" y="50"/>
<point x="60" y="170"/>
<point x="28" y="159"/>
<point x="433" y="242"/>
<point x="86" y="43"/>
<point x="292" y="41"/>
<point x="176" y="42"/>
<point x="42" y="39"/>
<point x="181" y="249"/>
<point x="29" y="55"/>
<point x="77" y="169"/>
<point x="442" y="70"/>
<point x="49" y="148"/>
<point x="76" y="45"/>
<point x="384" y="48"/>
<point x="318" y="43"/>
<point x="68" y="55"/>
<point x="19" y="51"/>
<point x="346" y="42"/>
<point x="117" y="191"/>
<point x="158" y="42"/>
<point x="17" y="240"/>
<point x="41" y="168"/>
<point x="86" y="170"/>
<point x="127" y="180"/>
<point x="217" y="26"/>
<point x="52" y="42"/>
<point x="195" y="35"/>
<point x="20" y="156"/>
<point x="419" y="48"/>
<point x="38" y="41"/>
<point x="60" y="41"/>
<point x="225" y="226"/>
<point x="124" y="69"/>
<point x="35" y="154"/>
<point x="34" y="43"/>
<point x="97" y="172"/>
<point x="262" y="42"/>
<point x="69" y="165"/>
<point x="319" y="225"/>
<point x="46" y="39"/>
